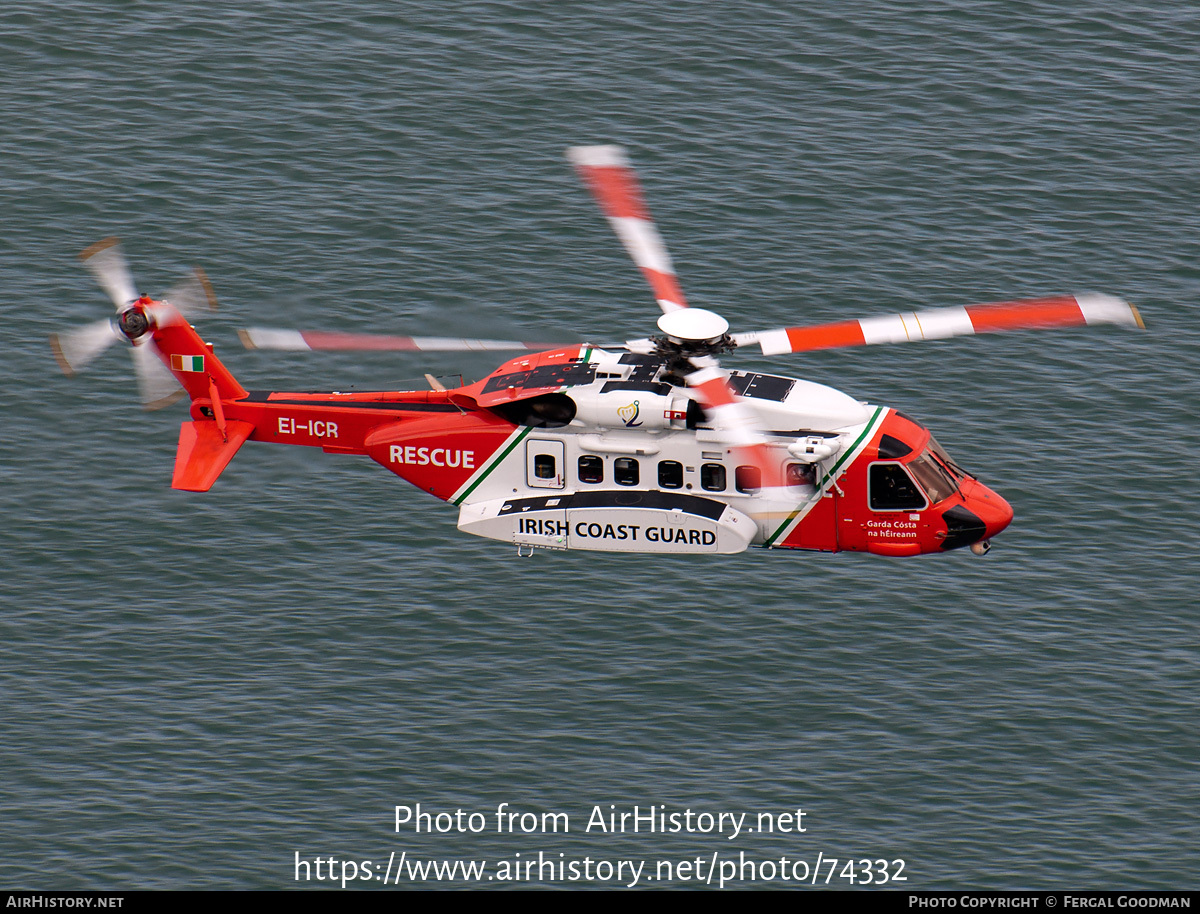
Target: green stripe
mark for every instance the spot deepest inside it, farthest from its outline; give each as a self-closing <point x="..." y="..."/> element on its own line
<point x="826" y="478"/>
<point x="587" y="355"/>
<point x="495" y="463"/>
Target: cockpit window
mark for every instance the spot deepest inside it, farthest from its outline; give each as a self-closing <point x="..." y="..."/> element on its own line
<point x="933" y="477"/>
<point x="890" y="488"/>
<point x="946" y="460"/>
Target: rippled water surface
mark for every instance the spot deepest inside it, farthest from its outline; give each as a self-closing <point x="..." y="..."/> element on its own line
<point x="195" y="688"/>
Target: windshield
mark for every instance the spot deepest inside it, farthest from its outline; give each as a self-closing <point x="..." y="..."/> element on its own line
<point x="934" y="478"/>
<point x="945" y="459"/>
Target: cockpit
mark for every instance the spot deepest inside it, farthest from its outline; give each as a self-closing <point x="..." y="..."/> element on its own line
<point x="902" y="482"/>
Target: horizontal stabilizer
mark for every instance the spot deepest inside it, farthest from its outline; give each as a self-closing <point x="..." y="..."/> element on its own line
<point x="204" y="452"/>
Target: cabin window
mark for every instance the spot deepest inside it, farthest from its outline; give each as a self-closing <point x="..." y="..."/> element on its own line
<point x="890" y="488"/>
<point x="543" y="466"/>
<point x="800" y="474"/>
<point x="747" y="479"/>
<point x="625" y="471"/>
<point x="670" y="474"/>
<point x="591" y="469"/>
<point x="712" y="477"/>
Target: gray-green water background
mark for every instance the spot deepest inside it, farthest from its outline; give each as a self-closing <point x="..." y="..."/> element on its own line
<point x="193" y="688"/>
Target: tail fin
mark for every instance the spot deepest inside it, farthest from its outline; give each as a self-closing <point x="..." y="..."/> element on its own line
<point x="206" y="445"/>
<point x="193" y="363"/>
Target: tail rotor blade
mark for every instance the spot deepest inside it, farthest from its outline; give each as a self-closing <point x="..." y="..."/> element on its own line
<point x="192" y="295"/>
<point x="107" y="263"/>
<point x="614" y="184"/>
<point x="74" y="349"/>
<point x="157" y="385"/>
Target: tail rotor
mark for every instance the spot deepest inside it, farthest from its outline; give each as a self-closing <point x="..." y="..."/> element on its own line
<point x="135" y="320"/>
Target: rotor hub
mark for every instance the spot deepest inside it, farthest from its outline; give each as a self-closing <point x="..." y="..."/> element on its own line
<point x="133" y="323"/>
<point x="693" y="325"/>
<point x="690" y="332"/>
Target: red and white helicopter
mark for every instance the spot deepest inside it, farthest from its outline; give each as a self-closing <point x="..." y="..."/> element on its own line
<point x="644" y="447"/>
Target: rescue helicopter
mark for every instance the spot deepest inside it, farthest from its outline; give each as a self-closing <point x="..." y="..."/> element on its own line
<point x="649" y="446"/>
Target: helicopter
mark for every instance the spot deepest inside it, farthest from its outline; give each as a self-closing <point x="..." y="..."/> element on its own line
<point x="649" y="446"/>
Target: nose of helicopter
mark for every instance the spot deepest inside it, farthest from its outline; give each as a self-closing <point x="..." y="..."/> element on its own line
<point x="990" y="508"/>
<point x="994" y="513"/>
<point x="973" y="523"/>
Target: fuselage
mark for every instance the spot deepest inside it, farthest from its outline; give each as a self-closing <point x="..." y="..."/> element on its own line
<point x="582" y="448"/>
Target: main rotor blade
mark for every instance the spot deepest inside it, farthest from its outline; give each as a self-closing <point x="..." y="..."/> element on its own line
<point x="107" y="263"/>
<point x="941" y="323"/>
<point x="737" y="422"/>
<point x="193" y="294"/>
<point x="268" y="338"/>
<point x="75" y="348"/>
<point x="157" y="385"/>
<point x="614" y="184"/>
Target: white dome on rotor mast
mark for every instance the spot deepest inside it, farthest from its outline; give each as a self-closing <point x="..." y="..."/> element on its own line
<point x="693" y="325"/>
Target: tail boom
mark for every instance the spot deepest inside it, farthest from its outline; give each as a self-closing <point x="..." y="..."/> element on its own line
<point x="225" y="415"/>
